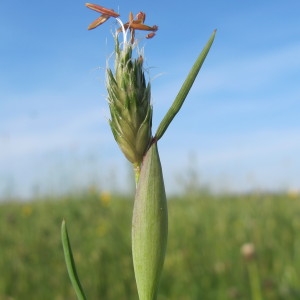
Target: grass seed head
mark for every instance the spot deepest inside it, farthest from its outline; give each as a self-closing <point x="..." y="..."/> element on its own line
<point x="129" y="102"/>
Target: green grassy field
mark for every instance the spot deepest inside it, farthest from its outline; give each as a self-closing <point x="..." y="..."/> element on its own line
<point x="203" y="261"/>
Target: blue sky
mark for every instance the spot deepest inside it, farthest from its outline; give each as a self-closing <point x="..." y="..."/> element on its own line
<point x="239" y="128"/>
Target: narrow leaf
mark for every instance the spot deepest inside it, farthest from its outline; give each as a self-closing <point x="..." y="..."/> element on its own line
<point x="183" y="92"/>
<point x="70" y="262"/>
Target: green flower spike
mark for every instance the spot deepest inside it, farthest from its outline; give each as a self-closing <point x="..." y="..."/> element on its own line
<point x="129" y="94"/>
<point x="129" y="102"/>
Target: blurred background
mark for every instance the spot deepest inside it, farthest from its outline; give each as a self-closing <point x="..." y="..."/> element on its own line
<point x="239" y="128"/>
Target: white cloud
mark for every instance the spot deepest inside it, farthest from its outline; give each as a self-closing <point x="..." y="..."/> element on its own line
<point x="25" y="137"/>
<point x="242" y="74"/>
<point x="269" y="157"/>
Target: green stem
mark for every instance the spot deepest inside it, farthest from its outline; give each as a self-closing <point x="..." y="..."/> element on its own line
<point x="183" y="92"/>
<point x="137" y="172"/>
<point x="254" y="280"/>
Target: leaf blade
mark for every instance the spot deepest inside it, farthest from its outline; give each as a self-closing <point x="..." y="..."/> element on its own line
<point x="71" y="263"/>
<point x="184" y="90"/>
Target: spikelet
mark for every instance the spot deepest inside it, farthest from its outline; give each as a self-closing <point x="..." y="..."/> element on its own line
<point x="129" y="102"/>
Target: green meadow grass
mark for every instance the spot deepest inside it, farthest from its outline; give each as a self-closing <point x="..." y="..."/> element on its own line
<point x="203" y="259"/>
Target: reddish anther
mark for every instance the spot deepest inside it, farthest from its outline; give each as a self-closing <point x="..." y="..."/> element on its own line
<point x="140" y="26"/>
<point x="98" y="21"/>
<point x="102" y="10"/>
<point x="141" y="17"/>
<point x="106" y="14"/>
<point x="138" y="23"/>
<point x="133" y="24"/>
<point x="150" y="35"/>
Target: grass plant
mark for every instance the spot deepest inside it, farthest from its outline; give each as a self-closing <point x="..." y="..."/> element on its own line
<point x="129" y="96"/>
